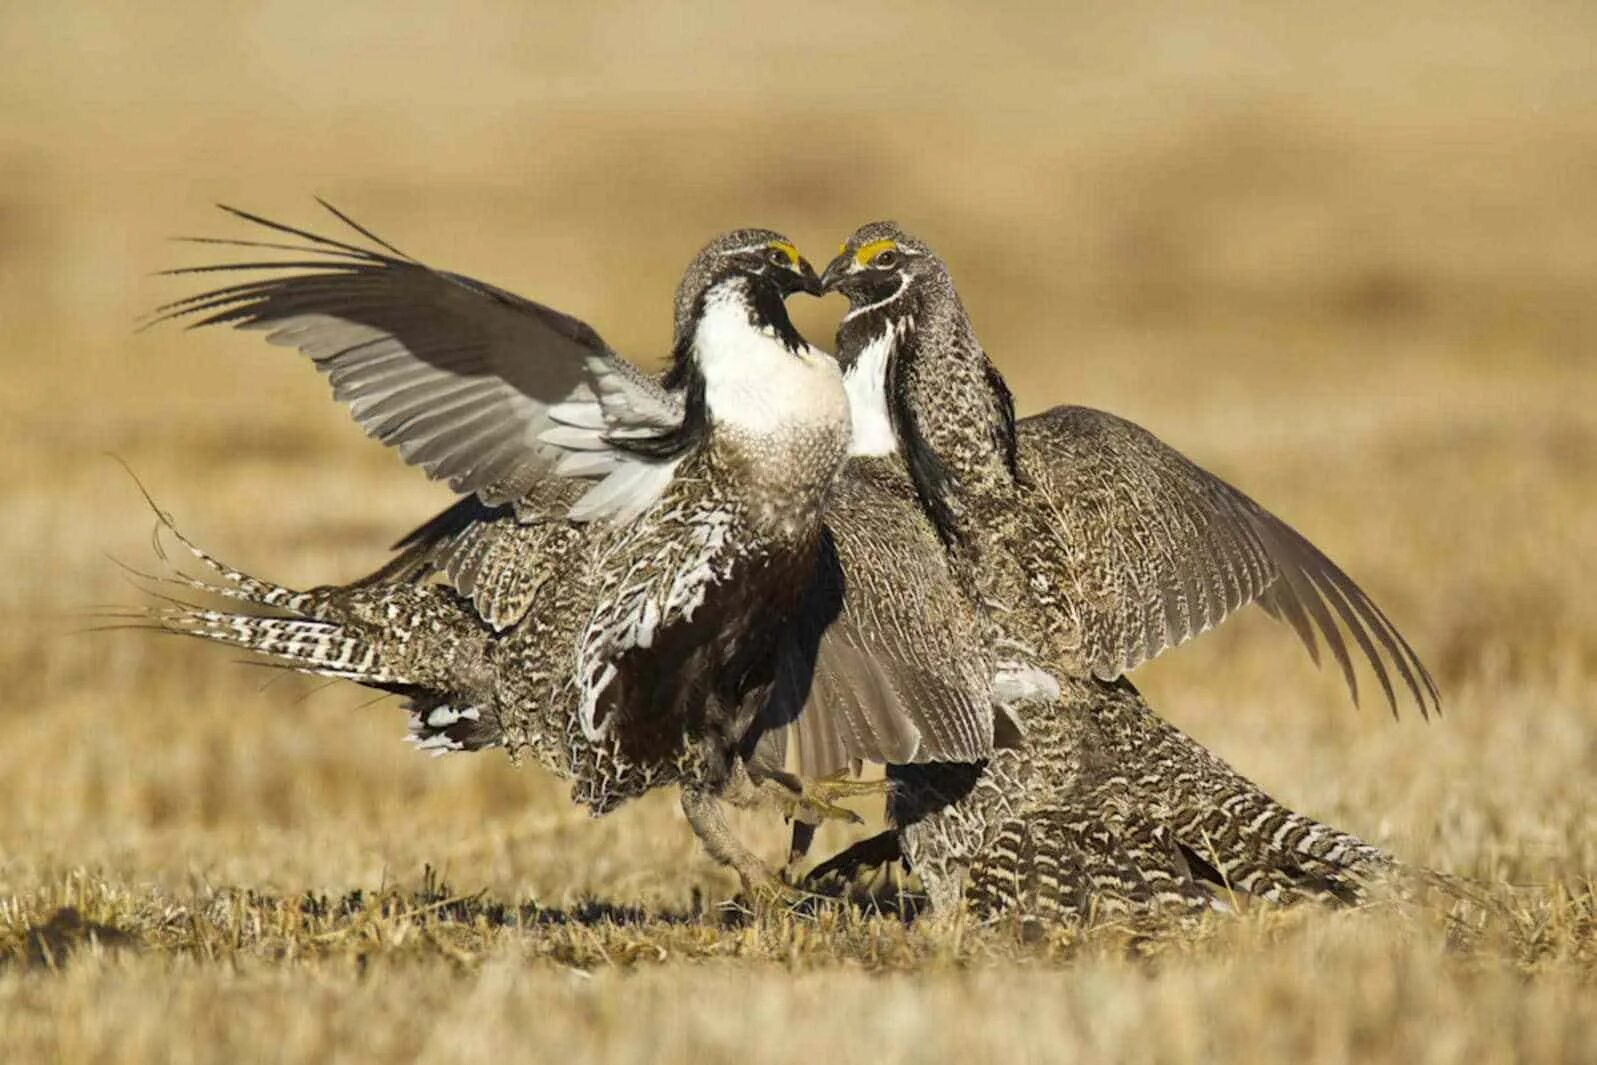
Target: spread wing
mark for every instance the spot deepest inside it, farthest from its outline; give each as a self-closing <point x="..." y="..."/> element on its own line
<point x="1157" y="550"/>
<point x="885" y="661"/>
<point x="477" y="386"/>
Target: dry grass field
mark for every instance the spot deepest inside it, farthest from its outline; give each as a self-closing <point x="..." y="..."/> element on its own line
<point x="1345" y="257"/>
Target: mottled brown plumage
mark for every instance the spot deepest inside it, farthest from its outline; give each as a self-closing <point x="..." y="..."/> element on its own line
<point x="1144" y="816"/>
<point x="1083" y="546"/>
<point x="883" y="581"/>
<point x="1112" y="759"/>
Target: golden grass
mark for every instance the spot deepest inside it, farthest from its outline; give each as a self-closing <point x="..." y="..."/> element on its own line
<point x="1344" y="259"/>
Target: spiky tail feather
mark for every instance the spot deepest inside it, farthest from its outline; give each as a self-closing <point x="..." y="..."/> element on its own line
<point x="405" y="639"/>
<point x="1242" y="840"/>
<point x="1074" y="867"/>
<point x="1249" y="842"/>
<point x="1150" y="823"/>
<point x="1233" y="834"/>
<point x="322" y="648"/>
<point x="1022" y="825"/>
<point x="308" y="639"/>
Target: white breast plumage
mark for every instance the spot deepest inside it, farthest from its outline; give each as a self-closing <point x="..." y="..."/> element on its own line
<point x="866" y="385"/>
<point x="752" y="381"/>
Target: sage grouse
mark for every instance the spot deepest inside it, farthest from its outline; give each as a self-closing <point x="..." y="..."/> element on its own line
<point x="675" y="519"/>
<point x="1086" y="546"/>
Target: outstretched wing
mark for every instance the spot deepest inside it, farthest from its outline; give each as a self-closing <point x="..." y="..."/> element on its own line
<point x="475" y="385"/>
<point x="885" y="660"/>
<point x="1158" y="550"/>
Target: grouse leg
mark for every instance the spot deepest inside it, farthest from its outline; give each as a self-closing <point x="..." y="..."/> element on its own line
<point x="763" y="887"/>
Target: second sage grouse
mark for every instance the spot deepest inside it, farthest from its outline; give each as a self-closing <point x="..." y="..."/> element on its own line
<point x="1087" y="546"/>
<point x="677" y="518"/>
<point x="1106" y="810"/>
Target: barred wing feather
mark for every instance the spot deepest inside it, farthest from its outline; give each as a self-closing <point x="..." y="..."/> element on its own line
<point x="479" y="387"/>
<point x="1157" y="550"/>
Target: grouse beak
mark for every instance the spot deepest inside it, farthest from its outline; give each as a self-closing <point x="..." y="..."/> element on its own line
<point x="808" y="282"/>
<point x="836" y="270"/>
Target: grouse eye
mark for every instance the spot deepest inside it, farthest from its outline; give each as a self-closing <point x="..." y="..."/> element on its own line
<point x="776" y="257"/>
<point x="885" y="259"/>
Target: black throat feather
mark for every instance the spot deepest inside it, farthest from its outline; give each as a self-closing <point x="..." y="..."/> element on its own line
<point x="934" y="482"/>
<point x="854" y="335"/>
<point x="1005" y="436"/>
<point x="768" y="310"/>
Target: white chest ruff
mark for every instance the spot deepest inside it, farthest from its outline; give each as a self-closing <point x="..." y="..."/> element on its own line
<point x="754" y="386"/>
<point x="866" y="385"/>
<point x="753" y="382"/>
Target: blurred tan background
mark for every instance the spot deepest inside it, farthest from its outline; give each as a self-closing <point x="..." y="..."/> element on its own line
<point x="1344" y="257"/>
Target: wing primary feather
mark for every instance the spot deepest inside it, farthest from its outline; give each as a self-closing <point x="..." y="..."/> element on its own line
<point x="315" y="238"/>
<point x="1398" y="651"/>
<point x="1254" y="555"/>
<point x="1186" y="550"/>
<point x="259" y="294"/>
<point x="1414" y="667"/>
<point x="330" y="280"/>
<point x="293" y="322"/>
<point x="362" y="230"/>
<point x="1282" y="601"/>
<point x="427" y="444"/>
<point x="1355" y="627"/>
<point x="1309" y="596"/>
<point x="1395" y="650"/>
<point x="1367" y="616"/>
<point x="424" y="410"/>
<point x="329" y="264"/>
<point x="1402" y="654"/>
<point x="239" y="242"/>
<point x="194" y="304"/>
<point x="458" y="375"/>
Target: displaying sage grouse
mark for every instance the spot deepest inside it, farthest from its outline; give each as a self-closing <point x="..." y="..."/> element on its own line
<point x="1090" y="546"/>
<point x="669" y="524"/>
